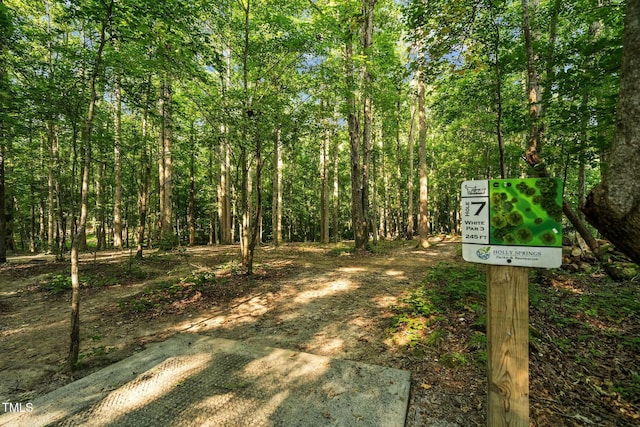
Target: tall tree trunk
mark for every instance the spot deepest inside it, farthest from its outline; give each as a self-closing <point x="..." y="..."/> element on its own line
<point x="245" y="195"/>
<point x="257" y="217"/>
<point x="613" y="206"/>
<point x="145" y="176"/>
<point x="167" y="239"/>
<point x="399" y="227"/>
<point x="245" y="209"/>
<point x="191" y="210"/>
<point x="214" y="197"/>
<point x="357" y="219"/>
<point x="224" y="199"/>
<point x="276" y="199"/>
<point x="410" y="172"/>
<point x="498" y="71"/>
<point x="534" y="92"/>
<point x="32" y="222"/>
<point x="532" y="155"/>
<point x="423" y="213"/>
<point x="368" y="7"/>
<point x="145" y="179"/>
<point x="117" y="167"/>
<point x="377" y="224"/>
<point x="100" y="229"/>
<point x="74" y="347"/>
<point x="50" y="187"/>
<point x="3" y="215"/>
<point x="324" y="184"/>
<point x="336" y="187"/>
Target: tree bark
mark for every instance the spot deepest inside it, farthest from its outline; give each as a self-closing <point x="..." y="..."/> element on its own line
<point x="534" y="92"/>
<point x="613" y="207"/>
<point x="423" y="213"/>
<point x="368" y="7"/>
<point x="359" y="232"/>
<point x="3" y="215"/>
<point x="145" y="176"/>
<point x="50" y="188"/>
<point x="399" y="211"/>
<point x="191" y="214"/>
<point x="74" y="347"/>
<point x="117" y="167"/>
<point x="224" y="199"/>
<point x="410" y="172"/>
<point x="324" y="184"/>
<point x="336" y="187"/>
<point x="165" y="165"/>
<point x="276" y="201"/>
<point x="498" y="71"/>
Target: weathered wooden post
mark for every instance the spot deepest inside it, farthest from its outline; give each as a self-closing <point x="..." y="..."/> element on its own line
<point x="508" y="346"/>
<point x="510" y="224"/>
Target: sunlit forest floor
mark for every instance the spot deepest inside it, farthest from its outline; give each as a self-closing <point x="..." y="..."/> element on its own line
<point x="419" y="310"/>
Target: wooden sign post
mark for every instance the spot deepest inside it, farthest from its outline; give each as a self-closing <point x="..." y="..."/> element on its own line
<point x="510" y="225"/>
<point x="508" y="346"/>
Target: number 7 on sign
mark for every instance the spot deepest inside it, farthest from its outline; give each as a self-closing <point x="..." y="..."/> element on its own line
<point x="482" y="205"/>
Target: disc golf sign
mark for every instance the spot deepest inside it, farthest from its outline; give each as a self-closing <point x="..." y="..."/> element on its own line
<point x="516" y="222"/>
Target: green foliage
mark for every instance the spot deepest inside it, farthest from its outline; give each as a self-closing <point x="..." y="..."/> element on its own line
<point x="58" y="284"/>
<point x="162" y="294"/>
<point x="454" y="360"/>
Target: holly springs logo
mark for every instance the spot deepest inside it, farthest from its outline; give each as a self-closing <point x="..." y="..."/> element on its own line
<point x="484" y="253"/>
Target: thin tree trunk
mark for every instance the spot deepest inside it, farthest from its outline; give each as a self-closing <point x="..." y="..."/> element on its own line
<point x="60" y="230"/>
<point x="359" y="231"/>
<point x="74" y="347"/>
<point x="324" y="185"/>
<point x="368" y="7"/>
<point x="3" y="217"/>
<point x="336" y="187"/>
<point x="214" y="200"/>
<point x="32" y="222"/>
<point x="192" y="191"/>
<point x="410" y="172"/>
<point x="117" y="167"/>
<point x="399" y="226"/>
<point x="377" y="224"/>
<point x="247" y="261"/>
<point x="165" y="169"/>
<point x="100" y="229"/>
<point x="224" y="200"/>
<point x="276" y="200"/>
<point x="145" y="177"/>
<point x="497" y="65"/>
<point x="532" y="155"/>
<point x="257" y="218"/>
<point x="423" y="213"/>
<point x="534" y="92"/>
<point x="50" y="188"/>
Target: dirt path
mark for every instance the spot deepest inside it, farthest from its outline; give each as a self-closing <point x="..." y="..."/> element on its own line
<point x="307" y="298"/>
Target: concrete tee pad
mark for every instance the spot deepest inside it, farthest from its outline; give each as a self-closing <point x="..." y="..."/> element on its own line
<point x="201" y="381"/>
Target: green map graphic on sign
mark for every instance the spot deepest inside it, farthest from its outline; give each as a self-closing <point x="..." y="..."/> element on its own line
<point x="526" y="212"/>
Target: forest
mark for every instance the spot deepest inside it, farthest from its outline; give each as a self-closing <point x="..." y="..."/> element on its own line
<point x="292" y="121"/>
<point x="134" y="126"/>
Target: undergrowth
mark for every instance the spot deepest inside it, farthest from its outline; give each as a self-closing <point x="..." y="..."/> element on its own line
<point x="450" y="297"/>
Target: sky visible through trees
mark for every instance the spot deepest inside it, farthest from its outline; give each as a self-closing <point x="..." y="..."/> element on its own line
<point x="199" y="94"/>
<point x="154" y="124"/>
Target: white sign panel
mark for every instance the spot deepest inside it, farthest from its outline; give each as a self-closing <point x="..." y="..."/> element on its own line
<point x="515" y="222"/>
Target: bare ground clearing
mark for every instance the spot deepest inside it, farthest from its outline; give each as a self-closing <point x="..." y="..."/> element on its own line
<point x="314" y="298"/>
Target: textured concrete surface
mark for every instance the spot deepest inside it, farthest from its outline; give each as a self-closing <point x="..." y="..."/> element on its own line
<point x="196" y="380"/>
